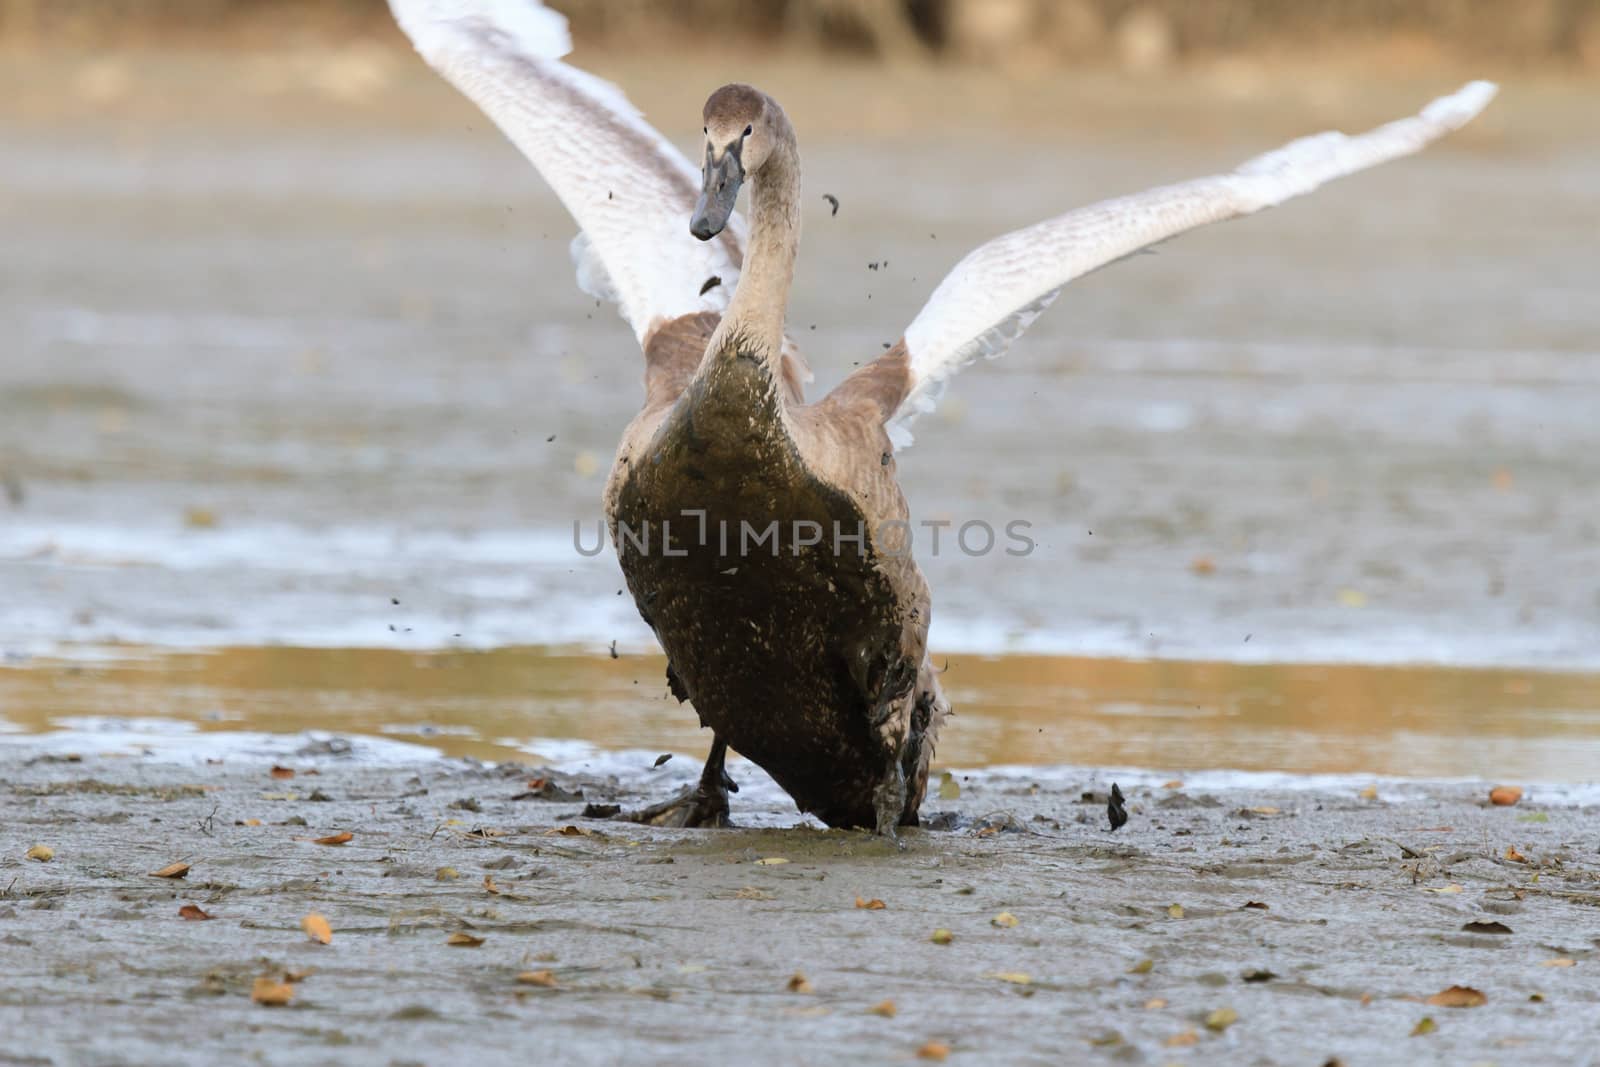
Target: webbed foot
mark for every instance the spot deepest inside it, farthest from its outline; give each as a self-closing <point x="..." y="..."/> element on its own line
<point x="702" y="805"/>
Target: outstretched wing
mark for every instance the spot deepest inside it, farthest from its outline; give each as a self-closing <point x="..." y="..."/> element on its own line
<point x="1001" y="287"/>
<point x="629" y="189"/>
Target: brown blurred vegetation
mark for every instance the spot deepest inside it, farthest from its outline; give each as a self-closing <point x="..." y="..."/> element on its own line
<point x="1137" y="34"/>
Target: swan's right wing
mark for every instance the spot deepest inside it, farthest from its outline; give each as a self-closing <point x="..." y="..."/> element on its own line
<point x="1000" y="288"/>
<point x="629" y="189"/>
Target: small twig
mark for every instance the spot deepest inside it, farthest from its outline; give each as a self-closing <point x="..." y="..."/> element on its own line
<point x="208" y="823"/>
<point x="1410" y="852"/>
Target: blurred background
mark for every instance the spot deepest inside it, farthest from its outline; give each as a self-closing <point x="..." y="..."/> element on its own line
<point x="1136" y="34"/>
<point x="299" y="402"/>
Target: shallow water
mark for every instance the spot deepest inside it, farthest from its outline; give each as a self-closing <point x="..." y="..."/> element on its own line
<point x="277" y="360"/>
<point x="565" y="707"/>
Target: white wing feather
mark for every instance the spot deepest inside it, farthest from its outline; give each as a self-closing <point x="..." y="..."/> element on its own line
<point x="629" y="189"/>
<point x="1001" y="287"/>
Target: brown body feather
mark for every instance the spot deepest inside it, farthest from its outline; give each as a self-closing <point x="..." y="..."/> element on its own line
<point x="809" y="659"/>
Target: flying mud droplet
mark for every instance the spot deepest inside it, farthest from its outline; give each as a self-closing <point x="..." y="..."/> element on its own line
<point x="833" y="202"/>
<point x="1115" y="810"/>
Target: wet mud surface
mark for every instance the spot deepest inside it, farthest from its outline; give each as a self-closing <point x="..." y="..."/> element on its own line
<point x="1322" y="919"/>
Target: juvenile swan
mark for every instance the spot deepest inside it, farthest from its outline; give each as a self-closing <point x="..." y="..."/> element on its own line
<point x="764" y="539"/>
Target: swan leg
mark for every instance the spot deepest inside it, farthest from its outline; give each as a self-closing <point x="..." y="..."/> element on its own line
<point x="701" y="805"/>
<point x="889" y="800"/>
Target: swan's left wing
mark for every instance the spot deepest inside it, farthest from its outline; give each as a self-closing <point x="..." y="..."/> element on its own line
<point x="1000" y="288"/>
<point x="629" y="189"/>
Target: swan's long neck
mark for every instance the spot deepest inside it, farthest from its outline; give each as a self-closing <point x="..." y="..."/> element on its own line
<point x="753" y="324"/>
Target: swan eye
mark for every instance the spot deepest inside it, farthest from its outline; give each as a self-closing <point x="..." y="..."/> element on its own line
<point x="747" y="130"/>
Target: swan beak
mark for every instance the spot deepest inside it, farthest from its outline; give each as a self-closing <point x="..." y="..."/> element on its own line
<point x="717" y="195"/>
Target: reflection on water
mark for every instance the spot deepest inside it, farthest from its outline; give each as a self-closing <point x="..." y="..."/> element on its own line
<point x="510" y="703"/>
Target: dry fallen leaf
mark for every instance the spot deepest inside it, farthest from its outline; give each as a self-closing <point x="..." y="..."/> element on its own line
<point x="1479" y="926"/>
<point x="934" y="1050"/>
<point x="42" y="853"/>
<point x="1425" y="1025"/>
<point x="1144" y="966"/>
<point x="489" y="886"/>
<point x="1182" y="1039"/>
<point x="1221" y="1019"/>
<point x="563" y="831"/>
<point x="294" y="977"/>
<point x="200" y="518"/>
<point x="884" y="1008"/>
<point x="1458" y="996"/>
<point x="1014" y="977"/>
<point x="339" y="838"/>
<point x="771" y="861"/>
<point x="271" y="992"/>
<point x="446" y="874"/>
<point x="171" y="870"/>
<point x="949" y="788"/>
<point x="1154" y="1004"/>
<point x="1266" y="809"/>
<point x="941" y="936"/>
<point x="547" y="979"/>
<point x="1175" y="911"/>
<point x="317" y="928"/>
<point x="1255" y="905"/>
<point x="1175" y="783"/>
<point x="252" y="822"/>
<point x="1203" y="565"/>
<point x="193" y="912"/>
<point x="282" y="772"/>
<point x="1369" y="793"/>
<point x="1514" y="856"/>
<point x="798" y="983"/>
<point x="1560" y="961"/>
<point x="1451" y="888"/>
<point x="870" y="905"/>
<point x="1505" y="795"/>
<point x="462" y="939"/>
<point x="1005" y="919"/>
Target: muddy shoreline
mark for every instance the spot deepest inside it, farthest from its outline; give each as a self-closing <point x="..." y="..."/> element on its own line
<point x="667" y="946"/>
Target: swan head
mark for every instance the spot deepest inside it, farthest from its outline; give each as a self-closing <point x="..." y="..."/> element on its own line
<point x="742" y="125"/>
